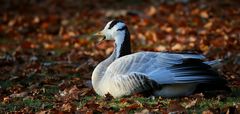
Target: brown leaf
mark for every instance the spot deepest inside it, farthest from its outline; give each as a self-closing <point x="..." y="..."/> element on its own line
<point x="28" y="45"/>
<point x="45" y="112"/>
<point x="68" y="107"/>
<point x="207" y="112"/>
<point x="89" y="112"/>
<point x="133" y="106"/>
<point x="22" y="94"/>
<point x="85" y="91"/>
<point x="161" y="48"/>
<point x="218" y="42"/>
<point x="144" y="111"/>
<point x="74" y="92"/>
<point x="175" y="107"/>
<point x="152" y="36"/>
<point x="204" y="14"/>
<point x="208" y="25"/>
<point x="152" y="11"/>
<point x="204" y="48"/>
<point x="191" y="104"/>
<point x="48" y="46"/>
<point x="108" y="97"/>
<point x="45" y="25"/>
<point x="177" y="47"/>
<point x="232" y="110"/>
<point x="6" y="100"/>
<point x="91" y="105"/>
<point x="123" y="100"/>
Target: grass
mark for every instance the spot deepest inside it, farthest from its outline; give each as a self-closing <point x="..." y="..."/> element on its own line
<point x="214" y="104"/>
<point x="49" y="92"/>
<point x="46" y="100"/>
<point x="5" y="84"/>
<point x="83" y="101"/>
<point x="199" y="107"/>
<point x="34" y="104"/>
<point x="116" y="104"/>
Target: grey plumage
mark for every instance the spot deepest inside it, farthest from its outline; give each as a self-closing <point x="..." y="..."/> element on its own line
<point x="164" y="74"/>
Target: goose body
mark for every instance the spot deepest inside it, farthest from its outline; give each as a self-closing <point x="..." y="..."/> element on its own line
<point x="161" y="73"/>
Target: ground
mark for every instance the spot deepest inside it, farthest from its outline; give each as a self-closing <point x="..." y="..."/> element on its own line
<point x="47" y="53"/>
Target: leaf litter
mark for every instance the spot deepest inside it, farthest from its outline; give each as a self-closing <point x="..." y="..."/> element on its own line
<point x="47" y="55"/>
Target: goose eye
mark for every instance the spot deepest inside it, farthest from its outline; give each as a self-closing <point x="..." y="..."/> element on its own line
<point x="121" y="29"/>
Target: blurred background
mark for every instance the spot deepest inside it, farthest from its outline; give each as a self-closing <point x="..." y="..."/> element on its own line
<point x="47" y="43"/>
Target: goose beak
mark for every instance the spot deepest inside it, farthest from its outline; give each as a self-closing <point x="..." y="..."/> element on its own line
<point x="100" y="35"/>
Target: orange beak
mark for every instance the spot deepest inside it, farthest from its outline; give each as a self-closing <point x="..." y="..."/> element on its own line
<point x="100" y="35"/>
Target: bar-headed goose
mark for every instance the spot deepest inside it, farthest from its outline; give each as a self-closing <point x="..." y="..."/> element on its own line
<point x="161" y="73"/>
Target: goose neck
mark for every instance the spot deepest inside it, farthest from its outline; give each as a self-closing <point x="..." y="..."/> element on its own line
<point x="100" y="70"/>
<point x="122" y="44"/>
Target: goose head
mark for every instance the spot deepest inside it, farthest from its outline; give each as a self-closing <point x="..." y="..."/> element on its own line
<point x="117" y="31"/>
<point x="112" y="30"/>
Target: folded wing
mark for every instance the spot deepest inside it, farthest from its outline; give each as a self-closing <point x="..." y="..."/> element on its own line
<point x="165" y="68"/>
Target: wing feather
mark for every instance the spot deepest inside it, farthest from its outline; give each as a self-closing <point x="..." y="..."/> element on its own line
<point x="131" y="83"/>
<point x="165" y="68"/>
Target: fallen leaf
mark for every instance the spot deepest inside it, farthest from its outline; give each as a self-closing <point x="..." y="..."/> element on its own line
<point x="177" y="47"/>
<point x="144" y="111"/>
<point x="6" y="100"/>
<point x="175" y="107"/>
<point x="208" y="25"/>
<point x="108" y="97"/>
<point x="204" y="14"/>
<point x="91" y="105"/>
<point x="152" y="11"/>
<point x="123" y="100"/>
<point x="22" y="94"/>
<point x="207" y="112"/>
<point x="133" y="106"/>
<point x="68" y="107"/>
<point x="191" y="104"/>
<point x="85" y="91"/>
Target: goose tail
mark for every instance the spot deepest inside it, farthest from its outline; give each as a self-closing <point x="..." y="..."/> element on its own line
<point x="215" y="64"/>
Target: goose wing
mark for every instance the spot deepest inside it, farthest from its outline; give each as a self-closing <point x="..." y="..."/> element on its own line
<point x="134" y="82"/>
<point x="164" y="68"/>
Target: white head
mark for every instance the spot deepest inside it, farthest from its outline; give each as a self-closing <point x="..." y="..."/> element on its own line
<point x="117" y="30"/>
<point x="114" y="30"/>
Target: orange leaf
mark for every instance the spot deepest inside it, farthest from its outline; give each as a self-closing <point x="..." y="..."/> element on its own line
<point x="134" y="106"/>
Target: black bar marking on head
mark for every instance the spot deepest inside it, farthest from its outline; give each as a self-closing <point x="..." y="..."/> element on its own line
<point x="123" y="28"/>
<point x="114" y="22"/>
